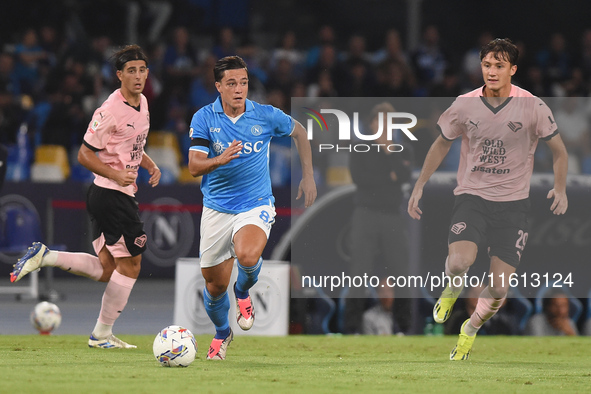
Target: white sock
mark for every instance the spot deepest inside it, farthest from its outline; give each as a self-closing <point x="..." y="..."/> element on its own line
<point x="470" y="330"/>
<point x="101" y="330"/>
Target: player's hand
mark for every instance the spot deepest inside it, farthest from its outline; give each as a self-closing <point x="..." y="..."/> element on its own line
<point x="125" y="177"/>
<point x="413" y="203"/>
<point x="560" y="203"/>
<point x="308" y="188"/>
<point x="562" y="324"/>
<point x="155" y="175"/>
<point x="230" y="153"/>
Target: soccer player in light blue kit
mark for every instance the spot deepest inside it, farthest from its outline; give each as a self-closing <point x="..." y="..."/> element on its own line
<point x="230" y="148"/>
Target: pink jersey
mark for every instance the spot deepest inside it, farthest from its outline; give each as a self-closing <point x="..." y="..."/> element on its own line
<point x="118" y="133"/>
<point x="498" y="144"/>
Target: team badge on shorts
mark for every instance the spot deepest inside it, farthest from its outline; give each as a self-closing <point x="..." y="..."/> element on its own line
<point x="458" y="228"/>
<point x="141" y="241"/>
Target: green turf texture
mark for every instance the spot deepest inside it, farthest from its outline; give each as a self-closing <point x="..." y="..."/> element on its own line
<point x="300" y="364"/>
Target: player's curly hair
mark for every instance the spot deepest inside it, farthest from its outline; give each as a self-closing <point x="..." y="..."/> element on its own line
<point x="228" y="63"/>
<point x="503" y="49"/>
<point x="127" y="54"/>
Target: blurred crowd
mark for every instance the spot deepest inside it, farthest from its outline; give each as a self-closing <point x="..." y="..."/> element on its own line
<point x="53" y="75"/>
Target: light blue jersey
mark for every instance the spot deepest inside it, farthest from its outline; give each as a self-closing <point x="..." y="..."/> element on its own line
<point x="244" y="183"/>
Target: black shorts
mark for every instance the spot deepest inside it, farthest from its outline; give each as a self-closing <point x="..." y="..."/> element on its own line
<point x="114" y="215"/>
<point x="501" y="226"/>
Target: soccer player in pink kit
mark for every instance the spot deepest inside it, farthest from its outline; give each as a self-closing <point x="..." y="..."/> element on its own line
<point x="500" y="125"/>
<point x="113" y="149"/>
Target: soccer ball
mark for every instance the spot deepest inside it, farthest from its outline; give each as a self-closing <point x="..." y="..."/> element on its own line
<point x="46" y="317"/>
<point x="175" y="346"/>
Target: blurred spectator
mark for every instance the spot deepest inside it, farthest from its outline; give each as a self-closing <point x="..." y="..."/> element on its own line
<point x="360" y="80"/>
<point x="584" y="61"/>
<point x="554" y="320"/>
<point x="393" y="80"/>
<point x="357" y="71"/>
<point x="327" y="63"/>
<point x="29" y="54"/>
<point x="11" y="113"/>
<point x="556" y="63"/>
<point x="379" y="319"/>
<point x="429" y="60"/>
<point x="392" y="50"/>
<point x="226" y="45"/>
<point x="287" y="50"/>
<point x="323" y="86"/>
<point x="574" y="130"/>
<point x="449" y="86"/>
<point x="203" y="90"/>
<point x="282" y="77"/>
<point x="534" y="82"/>
<point x="471" y="63"/>
<point x="180" y="60"/>
<point x="326" y="36"/>
<point x="378" y="237"/>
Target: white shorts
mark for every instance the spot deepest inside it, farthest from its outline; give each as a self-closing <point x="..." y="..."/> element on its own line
<point x="216" y="243"/>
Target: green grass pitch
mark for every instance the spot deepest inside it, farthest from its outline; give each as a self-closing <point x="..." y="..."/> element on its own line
<point x="299" y="364"/>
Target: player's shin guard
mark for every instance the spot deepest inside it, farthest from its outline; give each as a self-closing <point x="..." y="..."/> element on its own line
<point x="485" y="309"/>
<point x="247" y="277"/>
<point x="217" y="309"/>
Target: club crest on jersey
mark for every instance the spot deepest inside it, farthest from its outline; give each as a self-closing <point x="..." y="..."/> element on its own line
<point x="458" y="228"/>
<point x="256" y="130"/>
<point x="515" y="126"/>
<point x="218" y="147"/>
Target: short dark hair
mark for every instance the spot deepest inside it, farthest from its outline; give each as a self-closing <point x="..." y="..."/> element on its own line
<point x="503" y="49"/>
<point x="127" y="54"/>
<point x="228" y="63"/>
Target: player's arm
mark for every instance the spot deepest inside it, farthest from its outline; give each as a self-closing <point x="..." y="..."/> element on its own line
<point x="152" y="168"/>
<point x="435" y="156"/>
<point x="88" y="158"/>
<point x="200" y="164"/>
<point x="560" y="166"/>
<point x="307" y="184"/>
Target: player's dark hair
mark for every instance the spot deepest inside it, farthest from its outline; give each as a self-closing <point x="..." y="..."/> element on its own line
<point x="503" y="49"/>
<point x="228" y="63"/>
<point x="127" y="54"/>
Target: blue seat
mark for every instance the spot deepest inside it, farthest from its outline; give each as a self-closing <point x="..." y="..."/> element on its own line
<point x="324" y="311"/>
<point x="21" y="228"/>
<point x="523" y="307"/>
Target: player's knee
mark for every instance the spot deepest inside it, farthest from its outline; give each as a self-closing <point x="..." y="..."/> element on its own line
<point x="129" y="266"/>
<point x="497" y="291"/>
<point x="248" y="259"/>
<point x="216" y="288"/>
<point x="107" y="272"/>
<point x="459" y="263"/>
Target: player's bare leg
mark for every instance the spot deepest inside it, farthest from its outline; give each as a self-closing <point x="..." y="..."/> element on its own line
<point x="461" y="256"/>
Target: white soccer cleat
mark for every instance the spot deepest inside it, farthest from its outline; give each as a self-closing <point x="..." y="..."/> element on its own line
<point x="30" y="262"/>
<point x="110" y="342"/>
<point x="244" y="312"/>
<point x="218" y="347"/>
